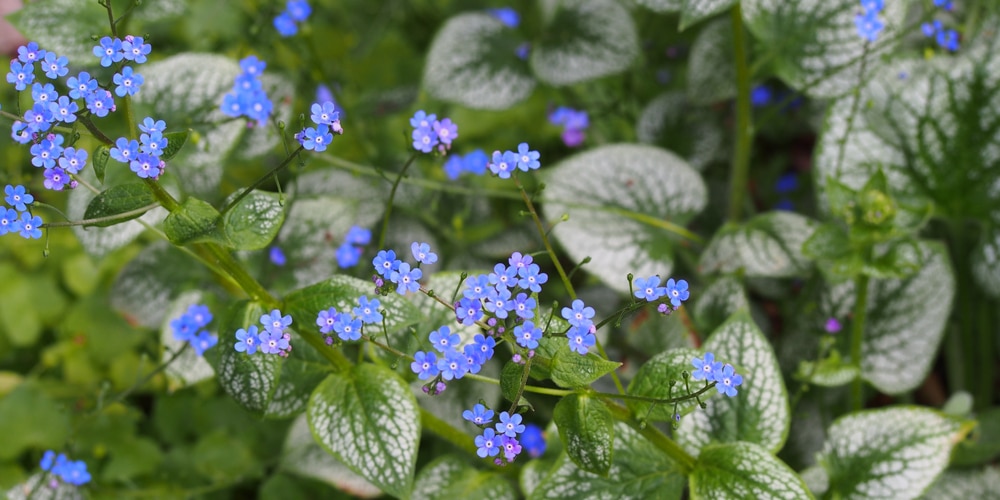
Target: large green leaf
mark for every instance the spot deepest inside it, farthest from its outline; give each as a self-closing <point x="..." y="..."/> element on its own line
<point x="555" y="360"/>
<point x="759" y="413"/>
<point x="814" y="44"/>
<point x="965" y="484"/>
<point x="150" y="281"/>
<point x="615" y="196"/>
<point x="118" y="200"/>
<point x="63" y="27"/>
<point x="767" y="246"/>
<point x="696" y="10"/>
<point x="302" y="455"/>
<point x="582" y="40"/>
<point x="449" y="477"/>
<point x="250" y="379"/>
<point x="888" y="453"/>
<point x="638" y="470"/>
<point x="711" y="76"/>
<point x="743" y="470"/>
<point x="719" y="300"/>
<point x="368" y="419"/>
<point x="671" y="120"/>
<point x="254" y="221"/>
<point x="301" y="372"/>
<point x="473" y="61"/>
<point x="661" y="378"/>
<point x="99" y="242"/>
<point x="588" y="429"/>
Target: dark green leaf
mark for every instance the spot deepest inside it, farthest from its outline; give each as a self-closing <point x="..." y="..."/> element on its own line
<point x="175" y="141"/>
<point x="100" y="160"/>
<point x="983" y="444"/>
<point x="583" y="40"/>
<point x="510" y="380"/>
<point x="118" y="200"/>
<point x="254" y="222"/>
<point x="744" y="470"/>
<point x="566" y="367"/>
<point x="195" y="222"/>
<point x="661" y="378"/>
<point x="587" y="427"/>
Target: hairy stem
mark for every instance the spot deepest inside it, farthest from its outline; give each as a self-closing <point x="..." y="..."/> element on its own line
<point x="857" y="336"/>
<point x="392" y="196"/>
<point x="740" y="173"/>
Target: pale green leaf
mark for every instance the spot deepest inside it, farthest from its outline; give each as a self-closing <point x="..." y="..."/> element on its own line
<point x="38" y="487"/>
<point x="614" y="196"/>
<point x="693" y="132"/>
<point x="63" y="27"/>
<point x="697" y="10"/>
<point x="99" y="242"/>
<point x="150" y="281"/>
<point x="368" y="419"/>
<point x="768" y="245"/>
<point x="449" y="477"/>
<point x="743" y="470"/>
<point x="189" y="368"/>
<point x="759" y="413"/>
<point x="719" y="300"/>
<point x="301" y="372"/>
<point x="473" y="61"/>
<point x="893" y="452"/>
<point x="964" y="484"/>
<point x="250" y="379"/>
<point x="986" y="262"/>
<point x="711" y="76"/>
<point x="582" y="40"/>
<point x="302" y="456"/>
<point x="662" y="5"/>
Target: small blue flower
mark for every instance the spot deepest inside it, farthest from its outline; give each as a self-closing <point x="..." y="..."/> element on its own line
<point x="246" y="340"/>
<point x="580" y="340"/>
<point x="20" y="132"/>
<point x="524" y="306"/>
<point x="54" y="65"/>
<point x="406" y="279"/>
<point x="358" y="235"/>
<point x="476" y="162"/>
<point x="422" y="253"/>
<point x="30" y="53"/>
<point x="272" y="342"/>
<point x="503" y="276"/>
<point x="72" y="472"/>
<point x="368" y="311"/>
<point x="183" y="328"/>
<point x="348" y="255"/>
<point x="135" y="49"/>
<point x="677" y="291"/>
<point x="127" y="82"/>
<point x="298" y="10"/>
<point x="506" y="15"/>
<point x="422" y="120"/>
<point x="502" y="164"/>
<point x="424" y="139"/>
<point x="146" y="166"/>
<point x="277" y="256"/>
<point x="511" y="447"/>
<point x="274" y="322"/>
<point x="253" y="66"/>
<point x="468" y="311"/>
<point x="386" y="263"/>
<point x="81" y="85"/>
<point x="760" y="96"/>
<point x="109" y="51"/>
<point x="64" y="110"/>
<point x="9" y="222"/>
<point x="30" y="226"/>
<point x="484" y="345"/>
<point x="478" y="415"/>
<point x="425" y="365"/>
<point x="153" y="144"/>
<point x="45" y="153"/>
<point x="705" y="369"/>
<point x="477" y="287"/>
<point x="49" y="458"/>
<point x="580" y="315"/>
<point x="55" y="179"/>
<point x="204" y="341"/>
<point x="527" y="335"/>
<point x="100" y="102"/>
<point x="533" y="440"/>
<point x="39" y="118"/>
<point x="454" y="166"/>
<point x="326" y="319"/>
<point x="499" y="303"/>
<point x="487" y="444"/>
<point x="728" y="381"/>
<point x="324" y="114"/>
<point x="872" y="6"/>
<point x="948" y="40"/>
<point x="510" y="425"/>
<point x="285" y="25"/>
<point x="199" y="315"/>
<point x="868" y="26"/>
<point x="17" y="197"/>
<point x="21" y="75"/>
<point x="526" y="159"/>
<point x="125" y="150"/>
<point x="453" y="365"/>
<point x="151" y="126"/>
<point x="443" y="340"/>
<point x="43" y="93"/>
<point x="316" y="138"/>
<point x="347" y="327"/>
<point x="531" y="278"/>
<point x="944" y="4"/>
<point x="446" y="131"/>
<point x="649" y="288"/>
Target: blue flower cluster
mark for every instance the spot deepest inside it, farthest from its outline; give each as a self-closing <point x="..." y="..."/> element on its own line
<point x="650" y="290"/>
<point x="429" y="132"/>
<point x="188" y="328"/>
<point x="581" y="333"/>
<point x="18" y="218"/>
<point x="112" y="50"/>
<point x="273" y="340"/>
<point x="248" y="97"/>
<point x="405" y="277"/>
<point x="71" y="472"/>
<point x="346" y="325"/>
<point x="868" y="23"/>
<point x="455" y="360"/>
<point x="946" y="38"/>
<point x="725" y="377"/>
<point x="501" y="436"/>
<point x="296" y="11"/>
<point x="327" y="121"/>
<point x="143" y="156"/>
<point x="473" y="163"/>
<point x="349" y="252"/>
<point x="504" y="164"/>
<point x="574" y="124"/>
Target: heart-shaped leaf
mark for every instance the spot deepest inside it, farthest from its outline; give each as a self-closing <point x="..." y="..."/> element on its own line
<point x="119" y="200"/>
<point x="254" y="221"/>
<point x="301" y="455"/>
<point x="661" y="378"/>
<point x="450" y="477"/>
<point x="555" y="360"/>
<point x="711" y="76"/>
<point x="696" y="10"/>
<point x="616" y="196"/>
<point x="743" y="470"/>
<point x="767" y="246"/>
<point x="587" y="427"/>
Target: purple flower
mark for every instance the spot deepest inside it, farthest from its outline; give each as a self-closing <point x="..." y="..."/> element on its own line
<point x="55" y="179"/>
<point x="446" y="131"/>
<point x="511" y="448"/>
<point x="326" y="319"/>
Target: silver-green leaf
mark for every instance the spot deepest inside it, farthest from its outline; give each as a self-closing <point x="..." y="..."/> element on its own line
<point x="697" y="10"/>
<point x="301" y="455"/>
<point x="767" y="246"/>
<point x="449" y="477"/>
<point x="743" y="470"/>
<point x="711" y="76"/>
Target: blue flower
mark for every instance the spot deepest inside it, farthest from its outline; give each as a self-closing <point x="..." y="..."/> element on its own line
<point x="424" y="139"/>
<point x="477" y="287"/>
<point x="580" y="315"/>
<point x="54" y="65"/>
<point x="872" y="6"/>
<point x="127" y="82"/>
<point x="526" y="159"/>
<point x="424" y="365"/>
<point x="503" y="276"/>
<point x="347" y="327"/>
<point x="649" y="288"/>
<point x="285" y="25"/>
<point x="787" y="183"/>
<point x="298" y="10"/>
<point x="487" y="444"/>
<point x="453" y="365"/>
<point x="73" y="160"/>
<point x="502" y="164"/>
<point x="125" y="150"/>
<point x="580" y="339"/>
<point x="55" y="179"/>
<point x="386" y="263"/>
<point x="109" y="51"/>
<point x="100" y="102"/>
<point x="204" y="341"/>
<point x="21" y="75"/>
<point x="868" y="26"/>
<point x="135" y="49"/>
<point x="253" y="66"/>
<point x="422" y="253"/>
<point x="146" y="166"/>
<point x="153" y="144"/>
<point x="316" y="138"/>
<point x="49" y="457"/>
<point x="324" y="114"/>
<point x="30" y="53"/>
<point x="511" y="447"/>
<point x="454" y="166"/>
<point x="531" y="278"/>
<point x="446" y="131"/>
<point x="484" y="345"/>
<point x="277" y="256"/>
<point x="358" y="235"/>
<point x="761" y="95"/>
<point x="64" y="110"/>
<point x="17" y="197"/>
<point x="527" y="335"/>
<point x="705" y="369"/>
<point x="20" y="132"/>
<point x="183" y="328"/>
<point x="478" y="415"/>
<point x="524" y="306"/>
<point x="367" y="310"/>
<point x="8" y="221"/>
<point x="510" y="425"/>
<point x="151" y="126"/>
<point x="199" y="315"/>
<point x="422" y="120"/>
<point x="247" y="340"/>
<point x="43" y="93"/>
<point x="443" y="340"/>
<point x="38" y="118"/>
<point x="948" y="40"/>
<point x="728" y="380"/>
<point x="326" y="319"/>
<point x="75" y="473"/>
<point x="476" y="162"/>
<point x="272" y="342"/>
<point x="533" y="440"/>
<point x="275" y="322"/>
<point x="468" y="311"/>
<point x="44" y="153"/>
<point x="498" y="302"/>
<point x="406" y="279"/>
<point x="506" y="15"/>
<point x="81" y="85"/>
<point x="944" y="4"/>
<point x="677" y="291"/>
<point x="348" y="255"/>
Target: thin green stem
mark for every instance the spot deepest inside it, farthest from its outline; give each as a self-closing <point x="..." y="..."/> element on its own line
<point x="444" y="430"/>
<point x="124" y="216"/>
<point x="85" y="120"/>
<point x="740" y="174"/>
<point x="987" y="359"/>
<point x="684" y="461"/>
<point x="545" y="238"/>
<point x="392" y="197"/>
<point x="262" y="179"/>
<point x="149" y="376"/>
<point x="857" y="336"/>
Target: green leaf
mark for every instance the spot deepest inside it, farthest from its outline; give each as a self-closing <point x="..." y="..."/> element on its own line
<point x="254" y="222"/>
<point x="963" y="484"/>
<point x="368" y="419"/>
<point x="175" y="141"/>
<point x="144" y="289"/>
<point x="638" y="470"/>
<point x="759" y="413"/>
<point x="583" y="40"/>
<point x="250" y="379"/>
<point x="568" y="368"/>
<point x="587" y="427"/>
<point x="195" y="222"/>
<point x="39" y="487"/>
<point x="830" y="372"/>
<point x="696" y="10"/>
<point x="986" y="262"/>
<point x="510" y="380"/>
<point x="717" y="302"/>
<point x="301" y="455"/>
<point x="301" y="372"/>
<point x="63" y="27"/>
<point x="743" y="470"/>
<point x="656" y="378"/>
<point x="100" y="161"/>
<point x="449" y="477"/>
<point x="711" y="75"/>
<point x="99" y="242"/>
<point x="984" y="443"/>
<point x="814" y="44"/>
<point x="189" y="368"/>
<point x="672" y="121"/>
<point x="888" y="453"/>
<point x="473" y="61"/>
<point x="662" y="5"/>
<point x="616" y="196"/>
<point x="32" y="420"/>
<point x="118" y="200"/>
<point x="768" y="245"/>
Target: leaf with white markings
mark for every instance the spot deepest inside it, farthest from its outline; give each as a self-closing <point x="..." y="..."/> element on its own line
<point x="588" y="430"/>
<point x="661" y="378"/>
<point x="188" y="368"/>
<point x="744" y="470"/>
<point x="451" y="477"/>
<point x="250" y="379"/>
<point x="697" y="10"/>
<point x="662" y="5"/>
<point x="61" y="26"/>
<point x="301" y="455"/>
<point x="767" y="246"/>
<point x="100" y="242"/>
<point x="965" y="484"/>
<point x="473" y="61"/>
<point x="986" y="262"/>
<point x="711" y="76"/>
<point x="368" y="419"/>
<point x="615" y="197"/>
<point x="759" y="413"/>
<point x="582" y="40"/>
<point x="672" y="121"/>
<point x="718" y="301"/>
<point x="254" y="221"/>
<point x="301" y="372"/>
<point x="888" y="453"/>
<point x="638" y="470"/>
<point x="150" y="281"/>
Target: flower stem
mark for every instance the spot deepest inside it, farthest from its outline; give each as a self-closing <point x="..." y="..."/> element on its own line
<point x="111" y="218"/>
<point x="392" y="196"/>
<point x="262" y="179"/>
<point x="740" y="173"/>
<point x="545" y="238"/>
<point x="857" y="336"/>
<point x="445" y="431"/>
